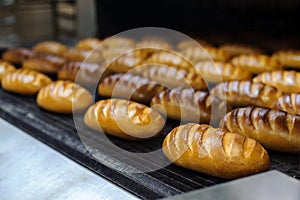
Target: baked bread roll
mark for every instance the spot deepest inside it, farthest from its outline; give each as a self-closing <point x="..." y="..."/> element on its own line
<point x="237" y="49"/>
<point x="152" y="45"/>
<point x="50" y="47"/>
<point x="245" y="93"/>
<point x="216" y="152"/>
<point x="255" y="63"/>
<point x="118" y="41"/>
<point x="172" y="77"/>
<point x="64" y="97"/>
<point x="125" y="119"/>
<point x="289" y="103"/>
<point x="24" y="81"/>
<point x="90" y="73"/>
<point x="44" y="63"/>
<point x="78" y="55"/>
<point x="290" y="57"/>
<point x="219" y="71"/>
<point x="88" y="44"/>
<point x="124" y="63"/>
<point x="274" y="129"/>
<point x="17" y="55"/>
<point x="190" y="106"/>
<point x="5" y="67"/>
<point x="286" y="81"/>
<point x="197" y="54"/>
<point x="191" y="42"/>
<point x="129" y="86"/>
<point x="169" y="58"/>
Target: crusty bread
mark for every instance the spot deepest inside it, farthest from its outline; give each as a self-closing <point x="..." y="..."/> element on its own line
<point x="5" y="67"/>
<point x="24" y="81"/>
<point x="118" y="41"/>
<point x="219" y="71"/>
<point x="186" y="104"/>
<point x="186" y="43"/>
<point x="124" y="63"/>
<point x="17" y="55"/>
<point x="129" y="86"/>
<point x="172" y="77"/>
<point x="90" y="73"/>
<point x="255" y="63"/>
<point x="88" y="44"/>
<point x="50" y="47"/>
<point x="289" y="103"/>
<point x="125" y="119"/>
<point x="64" y="97"/>
<point x="274" y="129"/>
<point x="78" y="55"/>
<point x="245" y="93"/>
<point x="237" y="49"/>
<point x="215" y="151"/>
<point x="48" y="64"/>
<point x="286" y="81"/>
<point x="153" y="45"/>
<point x="289" y="57"/>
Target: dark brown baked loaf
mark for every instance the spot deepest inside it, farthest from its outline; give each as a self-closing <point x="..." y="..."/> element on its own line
<point x="17" y="55"/>
<point x="129" y="86"/>
<point x="50" y="47"/>
<point x="274" y="129"/>
<point x="289" y="57"/>
<point x="5" y="67"/>
<point x="245" y="93"/>
<point x="125" y="119"/>
<point x="286" y="81"/>
<point x="186" y="104"/>
<point x="289" y="103"/>
<point x="215" y="151"/>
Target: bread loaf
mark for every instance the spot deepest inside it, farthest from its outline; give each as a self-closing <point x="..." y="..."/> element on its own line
<point x="124" y="63"/>
<point x="245" y="93"/>
<point x="152" y="45"/>
<point x="88" y="44"/>
<point x="286" y="81"/>
<point x="50" y="47"/>
<point x="256" y="63"/>
<point x="125" y="119"/>
<point x="215" y="151"/>
<point x="219" y="71"/>
<point x="118" y="41"/>
<point x="17" y="55"/>
<point x="24" y="81"/>
<point x="274" y="129"/>
<point x="64" y="97"/>
<point x="289" y="103"/>
<point x="78" y="55"/>
<point x="5" y="67"/>
<point x="290" y="57"/>
<point x="237" y="49"/>
<point x="129" y="86"/>
<point x="190" y="106"/>
<point x="190" y="43"/>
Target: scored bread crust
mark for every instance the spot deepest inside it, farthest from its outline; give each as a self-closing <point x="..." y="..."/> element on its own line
<point x="64" y="97"/>
<point x="289" y="103"/>
<point x="124" y="63"/>
<point x="50" y="47"/>
<point x="186" y="104"/>
<point x="216" y="152"/>
<point x="274" y="129"/>
<point x="237" y="49"/>
<point x="286" y="81"/>
<point x="79" y="55"/>
<point x="17" y="55"/>
<point x="129" y="86"/>
<point x="125" y="119"/>
<point x="289" y="57"/>
<point x="255" y="63"/>
<point x="220" y="71"/>
<point x="88" y="44"/>
<point x="5" y="67"/>
<point x="245" y="93"/>
<point x="24" y="81"/>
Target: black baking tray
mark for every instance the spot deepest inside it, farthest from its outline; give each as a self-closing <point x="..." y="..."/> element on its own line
<point x="59" y="132"/>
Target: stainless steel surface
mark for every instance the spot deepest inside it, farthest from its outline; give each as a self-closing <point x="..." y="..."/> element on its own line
<point x="269" y="185"/>
<point x="31" y="170"/>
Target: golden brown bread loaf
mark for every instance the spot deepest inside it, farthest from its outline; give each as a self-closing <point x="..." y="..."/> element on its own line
<point x="129" y="86"/>
<point x="90" y="73"/>
<point x="118" y="41"/>
<point x="50" y="47"/>
<point x="237" y="49"/>
<point x="44" y="63"/>
<point x="78" y="55"/>
<point x="64" y="97"/>
<point x="216" y="152"/>
<point x="286" y="81"/>
<point x="124" y="63"/>
<point x="17" y="55"/>
<point x="186" y="104"/>
<point x="255" y="63"/>
<point x="5" y="67"/>
<point x="289" y="103"/>
<point x="290" y="57"/>
<point x="169" y="58"/>
<point x="245" y="93"/>
<point x="153" y="45"/>
<point x="88" y="44"/>
<point x="24" y="81"/>
<point x="125" y="119"/>
<point x="274" y="129"/>
<point x="172" y="77"/>
<point x="191" y="42"/>
<point x="219" y="71"/>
